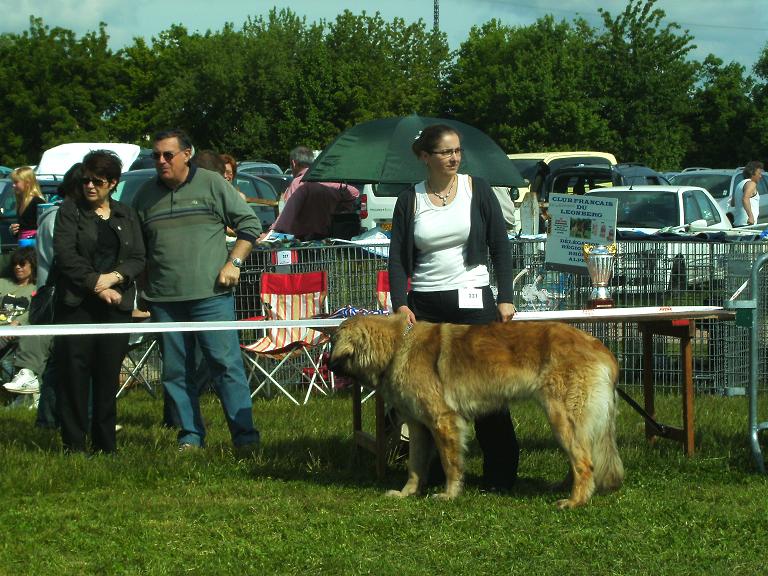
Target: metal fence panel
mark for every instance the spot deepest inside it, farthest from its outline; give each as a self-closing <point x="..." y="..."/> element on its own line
<point x="647" y="273"/>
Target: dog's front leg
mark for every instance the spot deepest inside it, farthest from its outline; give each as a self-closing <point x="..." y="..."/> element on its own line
<point x="419" y="451"/>
<point x="449" y="439"/>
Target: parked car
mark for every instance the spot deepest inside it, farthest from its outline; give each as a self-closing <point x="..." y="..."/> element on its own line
<point x="130" y="182"/>
<point x="579" y="178"/>
<point x="535" y="166"/>
<point x="648" y="209"/>
<point x="143" y="160"/>
<point x="260" y="194"/>
<point x="377" y="204"/>
<point x="59" y="159"/>
<point x="279" y="181"/>
<point x="721" y="184"/>
<point x="49" y="187"/>
<point x="258" y="167"/>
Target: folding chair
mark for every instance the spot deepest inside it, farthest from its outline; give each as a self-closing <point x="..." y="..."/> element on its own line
<point x="290" y="297"/>
<point x="142" y="346"/>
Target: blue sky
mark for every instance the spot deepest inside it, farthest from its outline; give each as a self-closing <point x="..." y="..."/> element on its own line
<point x="736" y="30"/>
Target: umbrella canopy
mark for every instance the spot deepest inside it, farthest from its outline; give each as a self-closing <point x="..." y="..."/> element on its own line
<point x="379" y="152"/>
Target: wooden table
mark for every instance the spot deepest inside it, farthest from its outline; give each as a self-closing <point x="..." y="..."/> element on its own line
<point x="675" y="321"/>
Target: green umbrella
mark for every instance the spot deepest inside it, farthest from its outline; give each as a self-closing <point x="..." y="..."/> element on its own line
<point x="379" y="152"/>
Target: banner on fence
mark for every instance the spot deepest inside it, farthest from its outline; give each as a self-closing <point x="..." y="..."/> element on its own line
<point x="575" y="221"/>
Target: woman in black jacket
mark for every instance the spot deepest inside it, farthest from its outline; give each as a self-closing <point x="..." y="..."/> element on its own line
<point x="99" y="251"/>
<point x="443" y="231"/>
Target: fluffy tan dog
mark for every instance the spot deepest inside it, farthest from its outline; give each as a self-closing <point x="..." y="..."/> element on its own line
<point x="440" y="377"/>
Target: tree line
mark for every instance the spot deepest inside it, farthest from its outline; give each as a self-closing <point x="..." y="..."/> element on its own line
<point x="628" y="87"/>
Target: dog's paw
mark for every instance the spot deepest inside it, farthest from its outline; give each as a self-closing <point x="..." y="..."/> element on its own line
<point x="567" y="504"/>
<point x="443" y="496"/>
<point x="395" y="494"/>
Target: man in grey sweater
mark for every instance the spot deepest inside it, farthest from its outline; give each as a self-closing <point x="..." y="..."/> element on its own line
<point x="190" y="278"/>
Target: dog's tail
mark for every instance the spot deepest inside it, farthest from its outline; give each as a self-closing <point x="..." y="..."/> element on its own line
<point x="608" y="468"/>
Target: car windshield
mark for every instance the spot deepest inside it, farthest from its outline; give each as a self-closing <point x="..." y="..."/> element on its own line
<point x="718" y="185"/>
<point x="644" y="209"/>
<point x="389" y="190"/>
<point x="526" y="167"/>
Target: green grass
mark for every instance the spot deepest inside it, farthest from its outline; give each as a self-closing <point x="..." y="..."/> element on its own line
<point x="304" y="505"/>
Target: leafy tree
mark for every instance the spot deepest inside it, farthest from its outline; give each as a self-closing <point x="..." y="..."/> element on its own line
<point x="529" y="87"/>
<point x="722" y="114"/>
<point x="56" y="89"/>
<point x="646" y="84"/>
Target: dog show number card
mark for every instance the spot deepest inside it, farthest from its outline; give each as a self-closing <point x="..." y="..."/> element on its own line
<point x="575" y="221"/>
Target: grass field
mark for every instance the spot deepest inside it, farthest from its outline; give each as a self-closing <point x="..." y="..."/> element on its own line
<point x="305" y="505"/>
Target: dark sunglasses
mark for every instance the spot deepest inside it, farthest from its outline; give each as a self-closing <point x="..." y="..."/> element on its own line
<point x="98" y="182"/>
<point x="167" y="155"/>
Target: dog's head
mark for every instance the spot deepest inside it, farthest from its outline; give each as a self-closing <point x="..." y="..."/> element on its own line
<point x="363" y="346"/>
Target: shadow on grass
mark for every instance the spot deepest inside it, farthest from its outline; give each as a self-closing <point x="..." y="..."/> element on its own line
<point x="334" y="461"/>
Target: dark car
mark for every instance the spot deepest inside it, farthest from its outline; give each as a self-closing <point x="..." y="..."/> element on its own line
<point x="279" y="181"/>
<point x="49" y="187"/>
<point x="144" y="160"/>
<point x="130" y="182"/>
<point x="258" y="167"/>
<point x="260" y="194"/>
<point x="567" y="178"/>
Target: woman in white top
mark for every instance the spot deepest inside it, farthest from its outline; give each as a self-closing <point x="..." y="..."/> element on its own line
<point x="443" y="231"/>
<point x="746" y="197"/>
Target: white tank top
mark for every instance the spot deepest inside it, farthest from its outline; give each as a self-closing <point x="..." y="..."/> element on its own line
<point x="739" y="214"/>
<point x="440" y="237"/>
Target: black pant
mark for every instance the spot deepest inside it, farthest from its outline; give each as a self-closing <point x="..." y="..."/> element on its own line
<point x="85" y="363"/>
<point x="495" y="432"/>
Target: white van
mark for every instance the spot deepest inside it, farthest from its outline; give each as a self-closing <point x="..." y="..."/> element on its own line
<point x="57" y="160"/>
<point x="377" y="204"/>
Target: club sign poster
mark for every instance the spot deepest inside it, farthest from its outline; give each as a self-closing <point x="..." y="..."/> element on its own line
<point x="575" y="221"/>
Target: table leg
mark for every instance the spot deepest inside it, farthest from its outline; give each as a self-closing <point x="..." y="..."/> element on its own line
<point x="648" y="383"/>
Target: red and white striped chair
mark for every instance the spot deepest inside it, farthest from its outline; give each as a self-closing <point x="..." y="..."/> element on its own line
<point x="290" y="297"/>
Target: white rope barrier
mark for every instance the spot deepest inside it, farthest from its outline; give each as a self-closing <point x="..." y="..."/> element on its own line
<point x="609" y="314"/>
<point x="157" y="327"/>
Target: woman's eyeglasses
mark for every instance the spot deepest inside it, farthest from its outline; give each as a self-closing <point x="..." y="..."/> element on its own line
<point x="448" y="152"/>
<point x="167" y="155"/>
<point x="98" y="182"/>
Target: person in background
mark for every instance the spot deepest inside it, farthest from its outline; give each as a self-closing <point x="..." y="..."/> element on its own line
<point x="99" y="253"/>
<point x="444" y="253"/>
<point x="28" y="196"/>
<point x="310" y="206"/>
<point x="15" y="295"/>
<point x="34" y="353"/>
<point x="184" y="213"/>
<point x="746" y="199"/>
<point x="230" y="168"/>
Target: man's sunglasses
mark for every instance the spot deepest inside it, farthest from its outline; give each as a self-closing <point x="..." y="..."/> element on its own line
<point x="98" y="182"/>
<point x="167" y="155"/>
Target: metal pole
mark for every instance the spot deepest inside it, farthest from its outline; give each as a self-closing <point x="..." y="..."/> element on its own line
<point x="754" y="426"/>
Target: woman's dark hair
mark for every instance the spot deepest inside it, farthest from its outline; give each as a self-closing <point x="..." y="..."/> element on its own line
<point x="23" y="255"/>
<point x="429" y="137"/>
<point x="103" y="163"/>
<point x="70" y="184"/>
<point x="751" y="168"/>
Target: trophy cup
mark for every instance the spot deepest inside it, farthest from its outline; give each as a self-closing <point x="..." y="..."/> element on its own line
<point x="599" y="258"/>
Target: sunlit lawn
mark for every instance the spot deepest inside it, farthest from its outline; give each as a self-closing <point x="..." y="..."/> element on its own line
<point x="304" y="505"/>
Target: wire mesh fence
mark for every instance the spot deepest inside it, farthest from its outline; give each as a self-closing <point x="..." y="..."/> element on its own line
<point x="646" y="273"/>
